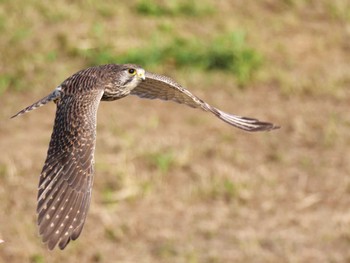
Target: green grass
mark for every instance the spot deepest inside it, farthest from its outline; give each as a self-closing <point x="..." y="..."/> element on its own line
<point x="36" y="258"/>
<point x="165" y="250"/>
<point x="339" y="10"/>
<point x="162" y="161"/>
<point x="230" y="52"/>
<point x="8" y="80"/>
<point x="174" y="8"/>
<point x="227" y="52"/>
<point x="330" y="134"/>
<point x="221" y="189"/>
<point x="5" y="81"/>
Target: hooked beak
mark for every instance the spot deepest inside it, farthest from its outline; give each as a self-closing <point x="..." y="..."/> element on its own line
<point x="141" y="74"/>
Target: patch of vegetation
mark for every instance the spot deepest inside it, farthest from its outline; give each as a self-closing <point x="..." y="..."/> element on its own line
<point x="9" y="80"/>
<point x="20" y="34"/>
<point x="174" y="8"/>
<point x="222" y="189"/>
<point x="5" y="81"/>
<point x="165" y="250"/>
<point x="112" y="234"/>
<point x="163" y="161"/>
<point x="36" y="258"/>
<point x="2" y="23"/>
<point x="228" y="52"/>
<point x="3" y="170"/>
<point x="339" y="10"/>
<point x="103" y="55"/>
<point x="330" y="133"/>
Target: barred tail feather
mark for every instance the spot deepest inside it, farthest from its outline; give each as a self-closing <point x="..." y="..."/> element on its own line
<point x="52" y="96"/>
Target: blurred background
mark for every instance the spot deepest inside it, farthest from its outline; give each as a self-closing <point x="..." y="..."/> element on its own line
<point x="174" y="184"/>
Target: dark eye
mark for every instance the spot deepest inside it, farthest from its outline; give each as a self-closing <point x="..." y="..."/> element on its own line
<point x="132" y="71"/>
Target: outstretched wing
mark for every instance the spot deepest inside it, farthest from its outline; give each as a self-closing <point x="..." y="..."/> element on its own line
<point x="67" y="176"/>
<point x="161" y="87"/>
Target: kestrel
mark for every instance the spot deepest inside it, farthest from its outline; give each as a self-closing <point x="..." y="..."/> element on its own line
<point x="66" y="179"/>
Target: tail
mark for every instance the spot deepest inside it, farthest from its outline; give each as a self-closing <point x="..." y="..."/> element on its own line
<point x="52" y="96"/>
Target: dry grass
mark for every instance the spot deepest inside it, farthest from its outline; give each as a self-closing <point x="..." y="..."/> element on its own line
<point x="174" y="184"/>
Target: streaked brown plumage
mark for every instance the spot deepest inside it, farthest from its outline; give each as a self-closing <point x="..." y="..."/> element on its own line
<point x="67" y="176"/>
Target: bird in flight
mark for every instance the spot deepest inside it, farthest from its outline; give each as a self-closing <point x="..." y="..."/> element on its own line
<point x="66" y="179"/>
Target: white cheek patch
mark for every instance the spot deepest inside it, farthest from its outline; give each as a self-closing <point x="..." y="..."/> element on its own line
<point x="132" y="84"/>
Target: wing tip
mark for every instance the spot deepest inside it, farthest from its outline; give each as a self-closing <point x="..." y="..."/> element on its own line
<point x="18" y="114"/>
<point x="264" y="126"/>
<point x="245" y="123"/>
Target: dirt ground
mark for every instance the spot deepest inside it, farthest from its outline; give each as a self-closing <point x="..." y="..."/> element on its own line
<point x="174" y="184"/>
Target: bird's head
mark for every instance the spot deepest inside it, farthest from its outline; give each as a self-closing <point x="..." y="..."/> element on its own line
<point x="124" y="79"/>
<point x="130" y="76"/>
